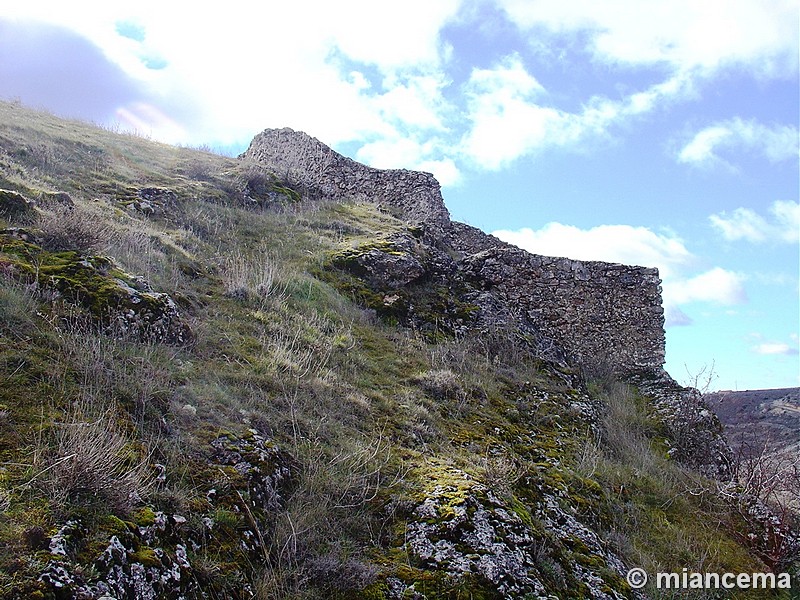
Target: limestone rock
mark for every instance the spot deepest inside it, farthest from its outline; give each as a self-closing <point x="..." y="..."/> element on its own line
<point x="119" y="301"/>
<point x="154" y="201"/>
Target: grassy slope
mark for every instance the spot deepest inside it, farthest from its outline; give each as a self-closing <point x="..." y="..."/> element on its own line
<point x="370" y="415"/>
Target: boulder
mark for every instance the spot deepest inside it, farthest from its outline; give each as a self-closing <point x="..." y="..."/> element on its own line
<point x="14" y="206"/>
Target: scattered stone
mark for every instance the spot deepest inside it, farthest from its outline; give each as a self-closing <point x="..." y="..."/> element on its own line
<point x="154" y="201"/>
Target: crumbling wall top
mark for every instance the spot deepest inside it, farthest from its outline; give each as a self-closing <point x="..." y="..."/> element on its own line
<point x="320" y="171"/>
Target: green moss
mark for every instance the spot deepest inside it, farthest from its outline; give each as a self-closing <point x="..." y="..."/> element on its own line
<point x="115" y="526"/>
<point x="146" y="556"/>
<point x="435" y="310"/>
<point x="376" y="591"/>
<point x="144" y="516"/>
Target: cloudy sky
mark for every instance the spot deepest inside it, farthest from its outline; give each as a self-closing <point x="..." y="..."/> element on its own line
<point x="655" y="132"/>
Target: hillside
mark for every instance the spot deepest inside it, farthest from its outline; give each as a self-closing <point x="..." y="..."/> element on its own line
<point x="763" y="428"/>
<point x="769" y="416"/>
<point x="287" y="375"/>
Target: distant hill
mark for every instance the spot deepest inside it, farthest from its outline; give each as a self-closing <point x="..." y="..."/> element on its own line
<point x="761" y="417"/>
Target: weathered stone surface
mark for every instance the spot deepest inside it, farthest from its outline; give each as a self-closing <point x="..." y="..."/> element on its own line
<point x="116" y="299"/>
<point x="464" y="529"/>
<point x="598" y="313"/>
<point x="392" y="264"/>
<point x="583" y="313"/>
<point x="264" y="466"/>
<point x="153" y="560"/>
<point x="154" y="201"/>
<point x="311" y="166"/>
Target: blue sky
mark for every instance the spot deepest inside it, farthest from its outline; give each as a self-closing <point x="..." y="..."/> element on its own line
<point x="661" y="133"/>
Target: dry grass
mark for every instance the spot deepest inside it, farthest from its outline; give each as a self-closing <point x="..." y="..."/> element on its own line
<point x="329" y="504"/>
<point x="76" y="228"/>
<point x="250" y="278"/>
<point x="93" y="459"/>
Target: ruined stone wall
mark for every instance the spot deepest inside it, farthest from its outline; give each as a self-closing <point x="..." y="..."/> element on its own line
<point x="604" y="315"/>
<point x="317" y="170"/>
<point x="600" y="314"/>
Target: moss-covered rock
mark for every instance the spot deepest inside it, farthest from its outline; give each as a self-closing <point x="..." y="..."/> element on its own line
<point x="114" y="298"/>
<point x="405" y="282"/>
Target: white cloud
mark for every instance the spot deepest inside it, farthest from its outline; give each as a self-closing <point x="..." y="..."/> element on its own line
<point x="377" y="73"/>
<point x="638" y="246"/>
<point x="771" y="348"/>
<point x="510" y="116"/>
<point x="746" y="224"/>
<point x="231" y="70"/>
<point x="675" y="317"/>
<point x="691" y="40"/>
<point x="776" y="143"/>
<point x="613" y="243"/>
<point x="760" y="36"/>
<point x="717" y="285"/>
<point x="415" y="102"/>
<point x="787" y="219"/>
<point x="505" y="119"/>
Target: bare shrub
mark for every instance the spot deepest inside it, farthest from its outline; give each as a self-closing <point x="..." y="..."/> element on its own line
<point x="77" y="229"/>
<point x="93" y="458"/>
<point x="135" y="249"/>
<point x="765" y="489"/>
<point x="249" y="277"/>
<point x="501" y="472"/>
<point x="442" y="384"/>
<point x="326" y="506"/>
<point x="769" y="474"/>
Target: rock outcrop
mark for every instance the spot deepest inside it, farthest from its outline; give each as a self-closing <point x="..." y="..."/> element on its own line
<point x="118" y="301"/>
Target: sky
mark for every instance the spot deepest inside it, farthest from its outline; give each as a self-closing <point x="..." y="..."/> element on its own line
<point x="661" y="133"/>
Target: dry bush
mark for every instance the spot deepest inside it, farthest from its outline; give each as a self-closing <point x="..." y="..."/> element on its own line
<point x="442" y="384"/>
<point x="501" y="472"/>
<point x="627" y="429"/>
<point x="250" y="277"/>
<point x="112" y="364"/>
<point x="78" y="229"/>
<point x="93" y="459"/>
<point x="769" y="474"/>
<point x="327" y="505"/>
<point x="135" y="249"/>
